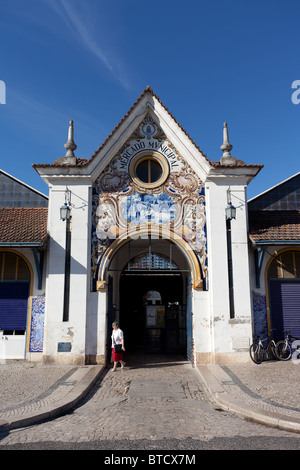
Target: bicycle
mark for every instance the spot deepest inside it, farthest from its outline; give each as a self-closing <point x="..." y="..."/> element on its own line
<point x="284" y="349"/>
<point x="258" y="351"/>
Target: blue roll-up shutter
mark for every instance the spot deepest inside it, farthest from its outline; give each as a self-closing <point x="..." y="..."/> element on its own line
<point x="285" y="307"/>
<point x="13" y="305"/>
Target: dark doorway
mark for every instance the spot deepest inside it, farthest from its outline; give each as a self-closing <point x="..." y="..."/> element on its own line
<point x="153" y="325"/>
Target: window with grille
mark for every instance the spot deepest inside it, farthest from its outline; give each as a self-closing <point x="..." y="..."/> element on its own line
<point x="285" y="266"/>
<point x="13" y="268"/>
<point x="151" y="261"/>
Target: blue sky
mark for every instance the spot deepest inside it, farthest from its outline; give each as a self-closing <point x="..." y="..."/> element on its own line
<point x="209" y="62"/>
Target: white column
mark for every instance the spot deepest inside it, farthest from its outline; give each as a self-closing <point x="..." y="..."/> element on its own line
<point x="72" y="333"/>
<point x="216" y="201"/>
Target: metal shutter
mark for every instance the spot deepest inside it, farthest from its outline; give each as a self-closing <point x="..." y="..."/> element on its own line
<point x="285" y="307"/>
<point x="13" y="305"/>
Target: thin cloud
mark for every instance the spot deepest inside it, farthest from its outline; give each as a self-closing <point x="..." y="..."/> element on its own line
<point x="46" y="121"/>
<point x="83" y="29"/>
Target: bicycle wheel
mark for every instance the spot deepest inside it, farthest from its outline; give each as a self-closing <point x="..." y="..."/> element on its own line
<point x="283" y="350"/>
<point x="256" y="353"/>
<point x="272" y="348"/>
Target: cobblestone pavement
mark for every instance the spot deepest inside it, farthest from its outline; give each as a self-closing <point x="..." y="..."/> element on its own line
<point x="26" y="385"/>
<point x="150" y="400"/>
<point x="272" y="386"/>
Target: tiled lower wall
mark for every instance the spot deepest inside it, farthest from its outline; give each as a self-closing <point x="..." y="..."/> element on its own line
<point x="37" y="324"/>
<point x="259" y="312"/>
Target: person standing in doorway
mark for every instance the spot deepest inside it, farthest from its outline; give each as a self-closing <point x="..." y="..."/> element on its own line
<point x="117" y="342"/>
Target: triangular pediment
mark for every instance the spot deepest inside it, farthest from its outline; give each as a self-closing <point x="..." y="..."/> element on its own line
<point x="149" y="125"/>
<point x="147" y="106"/>
<point x="147" y="140"/>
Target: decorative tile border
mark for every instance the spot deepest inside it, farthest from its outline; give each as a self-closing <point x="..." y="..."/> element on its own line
<point x="37" y="324"/>
<point x="259" y="313"/>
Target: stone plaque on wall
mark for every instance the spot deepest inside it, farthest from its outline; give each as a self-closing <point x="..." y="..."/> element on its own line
<point x="240" y="343"/>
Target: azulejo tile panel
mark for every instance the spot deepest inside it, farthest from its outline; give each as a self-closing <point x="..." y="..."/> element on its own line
<point x="120" y="204"/>
<point x="37" y="324"/>
<point x="259" y="313"/>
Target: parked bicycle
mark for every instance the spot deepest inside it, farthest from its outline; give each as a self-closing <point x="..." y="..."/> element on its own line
<point x="258" y="351"/>
<point x="284" y="348"/>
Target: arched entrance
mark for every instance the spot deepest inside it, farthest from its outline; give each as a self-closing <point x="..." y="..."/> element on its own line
<point x="154" y="315"/>
<point x="149" y="287"/>
<point x="283" y="274"/>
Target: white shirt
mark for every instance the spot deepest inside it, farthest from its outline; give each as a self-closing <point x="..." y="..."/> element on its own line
<point x="116" y="337"/>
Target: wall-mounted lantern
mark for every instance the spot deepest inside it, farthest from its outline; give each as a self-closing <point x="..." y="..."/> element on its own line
<point x="65" y="210"/>
<point x="230" y="211"/>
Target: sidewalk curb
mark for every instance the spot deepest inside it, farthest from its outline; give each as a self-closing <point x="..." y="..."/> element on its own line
<point x="86" y="379"/>
<point x="258" y="415"/>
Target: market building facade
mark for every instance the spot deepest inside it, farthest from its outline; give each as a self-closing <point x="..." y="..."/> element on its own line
<point x="23" y="253"/>
<point x="274" y="221"/>
<point x="150" y="232"/>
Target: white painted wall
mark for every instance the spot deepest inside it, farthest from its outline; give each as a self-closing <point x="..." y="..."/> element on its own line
<point x="74" y="330"/>
<point x="230" y="338"/>
<point x="96" y="326"/>
<point x="201" y="325"/>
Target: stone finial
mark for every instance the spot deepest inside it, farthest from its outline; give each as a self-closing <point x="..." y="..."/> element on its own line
<point x="70" y="145"/>
<point x="226" y="159"/>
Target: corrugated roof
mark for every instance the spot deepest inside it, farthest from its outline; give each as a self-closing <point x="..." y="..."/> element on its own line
<point x="23" y="225"/>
